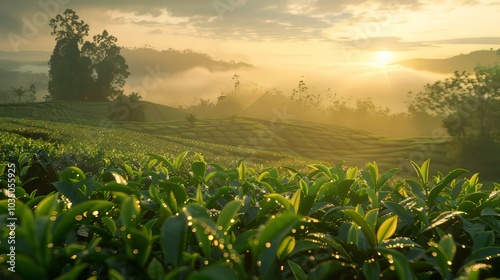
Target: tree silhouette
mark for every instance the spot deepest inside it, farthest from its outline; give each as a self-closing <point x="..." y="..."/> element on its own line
<point x="135" y="97"/>
<point x="127" y="108"/>
<point x="93" y="71"/>
<point x="469" y="105"/>
<point x="109" y="68"/>
<point x="21" y="91"/>
<point x="69" y="74"/>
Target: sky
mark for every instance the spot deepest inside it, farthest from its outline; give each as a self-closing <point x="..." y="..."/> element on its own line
<point x="345" y="45"/>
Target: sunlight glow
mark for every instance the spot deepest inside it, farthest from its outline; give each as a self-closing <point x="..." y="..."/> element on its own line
<point x="383" y="58"/>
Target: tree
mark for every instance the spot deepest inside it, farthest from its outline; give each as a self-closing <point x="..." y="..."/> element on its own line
<point x="20" y="91"/>
<point x="135" y="97"/>
<point x="69" y="73"/>
<point x="127" y="108"/>
<point x="109" y="67"/>
<point x="469" y="105"/>
<point x="93" y="71"/>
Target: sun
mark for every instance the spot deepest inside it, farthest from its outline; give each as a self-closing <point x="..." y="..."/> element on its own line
<point x="382" y="58"/>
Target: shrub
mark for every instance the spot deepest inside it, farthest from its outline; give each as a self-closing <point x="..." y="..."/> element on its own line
<point x="170" y="219"/>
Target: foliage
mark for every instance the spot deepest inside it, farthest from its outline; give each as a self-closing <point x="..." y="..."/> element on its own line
<point x="21" y="91"/>
<point x="469" y="106"/>
<point x="127" y="108"/>
<point x="179" y="219"/>
<point x="191" y="118"/>
<point x="468" y="103"/>
<point x="69" y="73"/>
<point x="308" y="103"/>
<point x="109" y="67"/>
<point x="97" y="72"/>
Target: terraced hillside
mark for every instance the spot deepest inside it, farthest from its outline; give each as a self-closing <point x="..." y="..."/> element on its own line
<point x="84" y="142"/>
<point x="167" y="130"/>
<point x="332" y="143"/>
<point x="90" y="113"/>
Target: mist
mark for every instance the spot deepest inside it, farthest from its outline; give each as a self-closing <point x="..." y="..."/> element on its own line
<point x="386" y="86"/>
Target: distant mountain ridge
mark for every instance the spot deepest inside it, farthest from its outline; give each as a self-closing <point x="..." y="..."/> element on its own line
<point x="174" y="61"/>
<point x="461" y="62"/>
<point x="23" y="68"/>
<point x="171" y="61"/>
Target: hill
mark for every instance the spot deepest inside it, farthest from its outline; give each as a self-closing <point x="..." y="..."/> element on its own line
<point x="89" y="113"/>
<point x="174" y="61"/>
<point x="166" y="130"/>
<point x="331" y="143"/>
<point x="461" y="62"/>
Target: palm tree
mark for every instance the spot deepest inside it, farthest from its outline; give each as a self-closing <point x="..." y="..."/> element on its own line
<point x="20" y="91"/>
<point x="134" y="97"/>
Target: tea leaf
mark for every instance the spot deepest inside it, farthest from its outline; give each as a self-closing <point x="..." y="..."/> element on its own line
<point x="297" y="271"/>
<point x="199" y="169"/>
<point x="295" y="202"/>
<point x="399" y="262"/>
<point x="228" y="215"/>
<point x="443" y="183"/>
<point x="173" y="239"/>
<point x="371" y="270"/>
<point x="286" y="247"/>
<point x="178" y="161"/>
<point x="270" y="239"/>
<point x="400" y="211"/>
<point x="387" y="229"/>
<point x="365" y="227"/>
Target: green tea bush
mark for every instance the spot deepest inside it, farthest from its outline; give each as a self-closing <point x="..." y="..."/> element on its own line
<point x="178" y="219"/>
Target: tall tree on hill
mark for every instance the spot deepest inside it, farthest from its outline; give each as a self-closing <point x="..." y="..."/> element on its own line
<point x="69" y="72"/>
<point x="109" y="67"/>
<point x="94" y="72"/>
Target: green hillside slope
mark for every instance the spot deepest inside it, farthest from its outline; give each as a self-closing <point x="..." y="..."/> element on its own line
<point x="225" y="139"/>
<point x="331" y="143"/>
<point x="90" y="113"/>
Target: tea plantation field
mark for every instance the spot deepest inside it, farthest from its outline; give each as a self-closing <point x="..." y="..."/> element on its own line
<point x="236" y="137"/>
<point x="233" y="198"/>
<point x="91" y="113"/>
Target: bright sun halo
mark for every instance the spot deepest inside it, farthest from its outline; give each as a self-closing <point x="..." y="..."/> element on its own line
<point x="383" y="57"/>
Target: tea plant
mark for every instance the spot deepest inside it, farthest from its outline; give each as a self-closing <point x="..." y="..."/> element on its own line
<point x="188" y="218"/>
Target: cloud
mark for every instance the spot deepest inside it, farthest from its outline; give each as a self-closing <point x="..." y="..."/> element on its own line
<point x="471" y="41"/>
<point x="252" y="20"/>
<point x="383" y="43"/>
